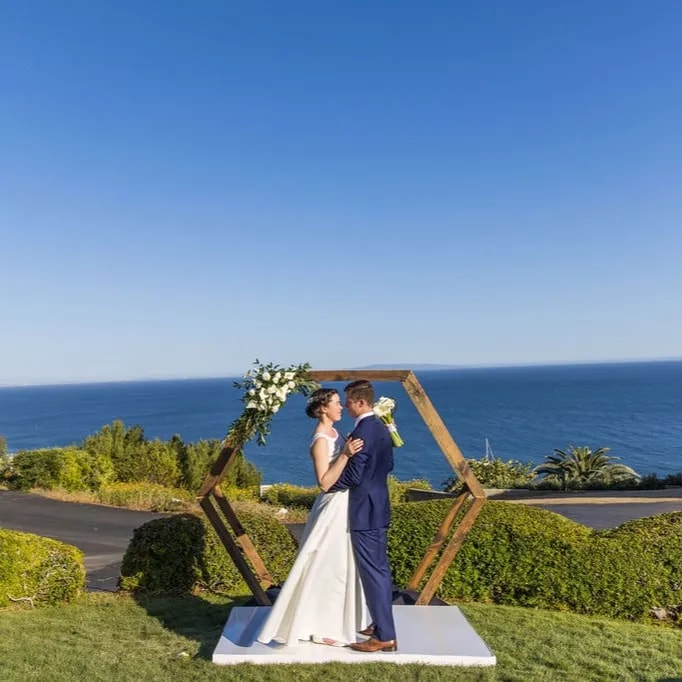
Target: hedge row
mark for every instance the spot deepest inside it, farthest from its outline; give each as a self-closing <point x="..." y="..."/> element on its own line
<point x="514" y="554"/>
<point x="526" y="556"/>
<point x="36" y="570"/>
<point x="288" y="495"/>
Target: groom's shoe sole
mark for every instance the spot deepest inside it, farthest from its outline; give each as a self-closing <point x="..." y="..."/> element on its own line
<point x="372" y="645"/>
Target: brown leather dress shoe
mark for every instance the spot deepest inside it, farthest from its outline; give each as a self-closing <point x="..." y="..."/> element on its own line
<point x="368" y="631"/>
<point x="372" y="645"/>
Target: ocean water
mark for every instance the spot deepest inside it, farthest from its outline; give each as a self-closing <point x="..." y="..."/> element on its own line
<point x="635" y="409"/>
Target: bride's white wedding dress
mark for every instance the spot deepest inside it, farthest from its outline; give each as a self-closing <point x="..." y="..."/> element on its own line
<point x="322" y="596"/>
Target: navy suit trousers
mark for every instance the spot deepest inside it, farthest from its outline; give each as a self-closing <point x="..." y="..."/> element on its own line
<point x="371" y="556"/>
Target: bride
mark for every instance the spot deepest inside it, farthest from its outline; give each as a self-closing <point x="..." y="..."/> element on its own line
<point x="322" y="598"/>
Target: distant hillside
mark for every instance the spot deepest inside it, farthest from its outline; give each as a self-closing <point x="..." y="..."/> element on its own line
<point x="422" y="367"/>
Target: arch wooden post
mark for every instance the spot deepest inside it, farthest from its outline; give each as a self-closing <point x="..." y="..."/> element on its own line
<point x="240" y="548"/>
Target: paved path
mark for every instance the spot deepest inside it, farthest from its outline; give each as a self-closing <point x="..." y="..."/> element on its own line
<point x="103" y="533"/>
<point x="599" y="509"/>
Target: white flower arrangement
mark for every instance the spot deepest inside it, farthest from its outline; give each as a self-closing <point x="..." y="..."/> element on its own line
<point x="384" y="408"/>
<point x="266" y="388"/>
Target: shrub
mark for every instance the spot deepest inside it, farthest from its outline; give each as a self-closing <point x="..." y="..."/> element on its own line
<point x="114" y="439"/>
<point x="233" y="493"/>
<point x="196" y="460"/>
<point x="397" y="490"/>
<point x="35" y="469"/>
<point x="154" y="462"/>
<point x="243" y="473"/>
<point x="660" y="536"/>
<point x="288" y="495"/>
<point x="651" y="482"/>
<point x="494" y="473"/>
<point x="116" y="443"/>
<point x="526" y="556"/>
<point x="6" y="471"/>
<point x="68" y="468"/>
<point x="674" y="479"/>
<point x="36" y="570"/>
<point x="182" y="553"/>
<point x="150" y="496"/>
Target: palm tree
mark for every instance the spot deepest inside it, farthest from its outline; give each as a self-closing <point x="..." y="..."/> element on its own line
<point x="581" y="465"/>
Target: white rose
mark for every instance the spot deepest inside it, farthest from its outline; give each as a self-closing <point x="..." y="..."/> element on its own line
<point x="282" y="395"/>
<point x="288" y="376"/>
<point x="257" y="384"/>
<point x="277" y="377"/>
<point x="251" y="405"/>
<point x="266" y="376"/>
<point x="252" y="391"/>
<point x="262" y="394"/>
<point x="272" y="389"/>
<point x="275" y="408"/>
<point x="291" y="385"/>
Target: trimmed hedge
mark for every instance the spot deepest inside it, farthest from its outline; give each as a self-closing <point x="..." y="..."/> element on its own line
<point x="521" y="555"/>
<point x="288" y="495"/>
<point x="514" y="554"/>
<point x="661" y="537"/>
<point x="182" y="553"/>
<point x="36" y="570"/>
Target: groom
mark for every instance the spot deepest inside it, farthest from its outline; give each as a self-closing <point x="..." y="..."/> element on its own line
<point x="369" y="514"/>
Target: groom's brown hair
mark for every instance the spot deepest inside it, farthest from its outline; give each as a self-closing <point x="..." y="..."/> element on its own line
<point x="360" y="389"/>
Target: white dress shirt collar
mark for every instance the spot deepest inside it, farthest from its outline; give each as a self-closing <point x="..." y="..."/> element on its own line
<point x="359" y="418"/>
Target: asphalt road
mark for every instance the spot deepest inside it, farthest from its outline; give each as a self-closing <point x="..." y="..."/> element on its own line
<point x="103" y="533"/>
<point x="600" y="509"/>
<point x="609" y="515"/>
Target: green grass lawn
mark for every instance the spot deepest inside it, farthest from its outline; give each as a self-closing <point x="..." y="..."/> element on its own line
<point x="115" y="637"/>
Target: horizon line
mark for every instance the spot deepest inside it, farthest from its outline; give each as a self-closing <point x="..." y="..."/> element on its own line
<point x="413" y="366"/>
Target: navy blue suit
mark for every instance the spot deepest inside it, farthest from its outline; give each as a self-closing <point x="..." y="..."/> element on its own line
<point x="369" y="514"/>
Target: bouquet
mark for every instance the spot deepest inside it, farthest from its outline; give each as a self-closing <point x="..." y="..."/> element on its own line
<point x="384" y="408"/>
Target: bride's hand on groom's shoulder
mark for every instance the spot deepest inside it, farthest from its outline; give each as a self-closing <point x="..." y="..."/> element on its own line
<point x="353" y="446"/>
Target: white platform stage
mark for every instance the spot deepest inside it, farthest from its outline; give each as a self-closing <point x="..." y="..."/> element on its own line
<point x="439" y="635"/>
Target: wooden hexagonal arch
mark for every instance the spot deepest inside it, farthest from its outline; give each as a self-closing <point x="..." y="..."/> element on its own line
<point x="244" y="554"/>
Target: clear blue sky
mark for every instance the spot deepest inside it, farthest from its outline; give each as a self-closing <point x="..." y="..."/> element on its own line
<point x="188" y="186"/>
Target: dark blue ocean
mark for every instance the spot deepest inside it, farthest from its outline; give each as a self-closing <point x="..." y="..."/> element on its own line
<point x="635" y="409"/>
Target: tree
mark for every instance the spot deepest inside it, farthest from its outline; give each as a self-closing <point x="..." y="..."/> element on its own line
<point x="6" y="471"/>
<point x="582" y="467"/>
<point x="197" y="460"/>
<point x="155" y="462"/>
<point x="117" y="448"/>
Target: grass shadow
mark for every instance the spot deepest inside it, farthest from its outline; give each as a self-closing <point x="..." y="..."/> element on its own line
<point x="160" y="569"/>
<point x="192" y="616"/>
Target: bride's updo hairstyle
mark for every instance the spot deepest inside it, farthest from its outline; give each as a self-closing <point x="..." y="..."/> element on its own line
<point x="317" y="400"/>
